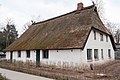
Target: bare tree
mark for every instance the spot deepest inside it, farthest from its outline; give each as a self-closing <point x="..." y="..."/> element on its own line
<point x="34" y="20"/>
<point x="114" y="29"/>
<point x="117" y="36"/>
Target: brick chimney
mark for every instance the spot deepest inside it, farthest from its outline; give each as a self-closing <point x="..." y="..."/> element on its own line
<point x="80" y="6"/>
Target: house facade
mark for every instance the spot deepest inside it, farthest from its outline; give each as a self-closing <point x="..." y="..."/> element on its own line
<point x="75" y="38"/>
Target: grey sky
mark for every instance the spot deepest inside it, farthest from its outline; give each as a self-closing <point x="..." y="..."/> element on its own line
<point x="22" y="11"/>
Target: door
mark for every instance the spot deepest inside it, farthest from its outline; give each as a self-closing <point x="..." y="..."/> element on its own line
<point x="11" y="56"/>
<point x="37" y="57"/>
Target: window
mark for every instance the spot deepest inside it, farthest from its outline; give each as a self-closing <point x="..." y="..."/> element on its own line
<point x="106" y="38"/>
<point x="89" y="54"/>
<point x="45" y="54"/>
<point x="28" y="53"/>
<point x="94" y="35"/>
<point x="19" y="53"/>
<point x="96" y="54"/>
<point x="101" y="37"/>
<point x="109" y="53"/>
<point x="102" y="54"/>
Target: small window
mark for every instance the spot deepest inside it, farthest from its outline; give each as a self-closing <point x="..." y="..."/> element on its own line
<point x="45" y="54"/>
<point x="96" y="54"/>
<point x="106" y="38"/>
<point x="109" y="53"/>
<point x="19" y="53"/>
<point x="102" y="54"/>
<point x="89" y="54"/>
<point x="28" y="53"/>
<point x="101" y="37"/>
<point x="94" y="35"/>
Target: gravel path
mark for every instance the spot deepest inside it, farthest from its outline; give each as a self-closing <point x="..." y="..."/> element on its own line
<point x="13" y="75"/>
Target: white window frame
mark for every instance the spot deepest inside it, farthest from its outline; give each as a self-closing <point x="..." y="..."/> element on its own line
<point x="89" y="55"/>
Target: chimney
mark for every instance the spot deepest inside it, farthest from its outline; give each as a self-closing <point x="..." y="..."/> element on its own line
<point x="79" y="6"/>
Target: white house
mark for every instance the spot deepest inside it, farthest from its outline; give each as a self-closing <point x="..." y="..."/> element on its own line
<point x="78" y="37"/>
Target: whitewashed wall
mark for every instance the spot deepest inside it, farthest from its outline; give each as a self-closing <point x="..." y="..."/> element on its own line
<point x="23" y="56"/>
<point x="97" y="44"/>
<point x="75" y="56"/>
<point x="7" y="55"/>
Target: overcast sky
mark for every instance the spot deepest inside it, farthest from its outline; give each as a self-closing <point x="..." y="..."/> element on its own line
<point x="23" y="11"/>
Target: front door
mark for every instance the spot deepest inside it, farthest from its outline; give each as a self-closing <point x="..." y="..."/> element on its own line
<point x="11" y="55"/>
<point x="37" y="57"/>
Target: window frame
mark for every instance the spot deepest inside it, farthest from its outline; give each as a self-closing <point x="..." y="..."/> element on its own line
<point x="89" y="55"/>
<point x="96" y="54"/>
<point x="102" y="56"/>
<point x="109" y="53"/>
<point x="27" y="53"/>
<point x="95" y="35"/>
<point x="106" y="38"/>
<point x="19" y="54"/>
<point x="101" y="37"/>
<point x="45" y="54"/>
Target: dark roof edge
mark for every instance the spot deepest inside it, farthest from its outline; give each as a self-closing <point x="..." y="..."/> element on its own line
<point x="44" y="49"/>
<point x="112" y="41"/>
<point x="88" y="7"/>
<point x="93" y="28"/>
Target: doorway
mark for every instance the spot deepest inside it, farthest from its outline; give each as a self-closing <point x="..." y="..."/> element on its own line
<point x="11" y="55"/>
<point x="38" y="57"/>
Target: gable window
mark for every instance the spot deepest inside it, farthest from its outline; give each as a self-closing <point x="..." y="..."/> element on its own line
<point x="89" y="54"/>
<point x="45" y="54"/>
<point x="28" y="53"/>
<point x="94" y="35"/>
<point x="19" y="54"/>
<point x="101" y="37"/>
<point x="96" y="54"/>
<point x="106" y="38"/>
<point x="102" y="54"/>
<point x="109" y="53"/>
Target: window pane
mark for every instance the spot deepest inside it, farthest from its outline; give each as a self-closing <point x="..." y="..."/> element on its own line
<point x="109" y="53"/>
<point x="95" y="53"/>
<point x="89" y="54"/>
<point x="106" y="38"/>
<point x="19" y="53"/>
<point x="28" y="53"/>
<point x="102" y="53"/>
<point x="94" y="35"/>
<point x="45" y="54"/>
<point x="101" y="37"/>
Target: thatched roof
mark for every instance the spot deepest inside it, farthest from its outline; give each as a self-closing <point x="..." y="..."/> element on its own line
<point x="67" y="31"/>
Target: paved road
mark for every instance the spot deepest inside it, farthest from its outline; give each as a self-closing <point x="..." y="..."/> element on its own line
<point x="13" y="75"/>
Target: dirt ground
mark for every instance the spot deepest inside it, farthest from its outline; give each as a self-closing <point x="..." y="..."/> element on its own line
<point x="109" y="71"/>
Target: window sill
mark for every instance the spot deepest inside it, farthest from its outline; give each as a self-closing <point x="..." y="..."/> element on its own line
<point x="96" y="59"/>
<point x="89" y="60"/>
<point x="45" y="58"/>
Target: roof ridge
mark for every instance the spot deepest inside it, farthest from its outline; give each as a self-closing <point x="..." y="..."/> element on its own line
<point x="88" y="7"/>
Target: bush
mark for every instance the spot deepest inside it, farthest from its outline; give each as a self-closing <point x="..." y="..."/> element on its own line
<point x="3" y="77"/>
